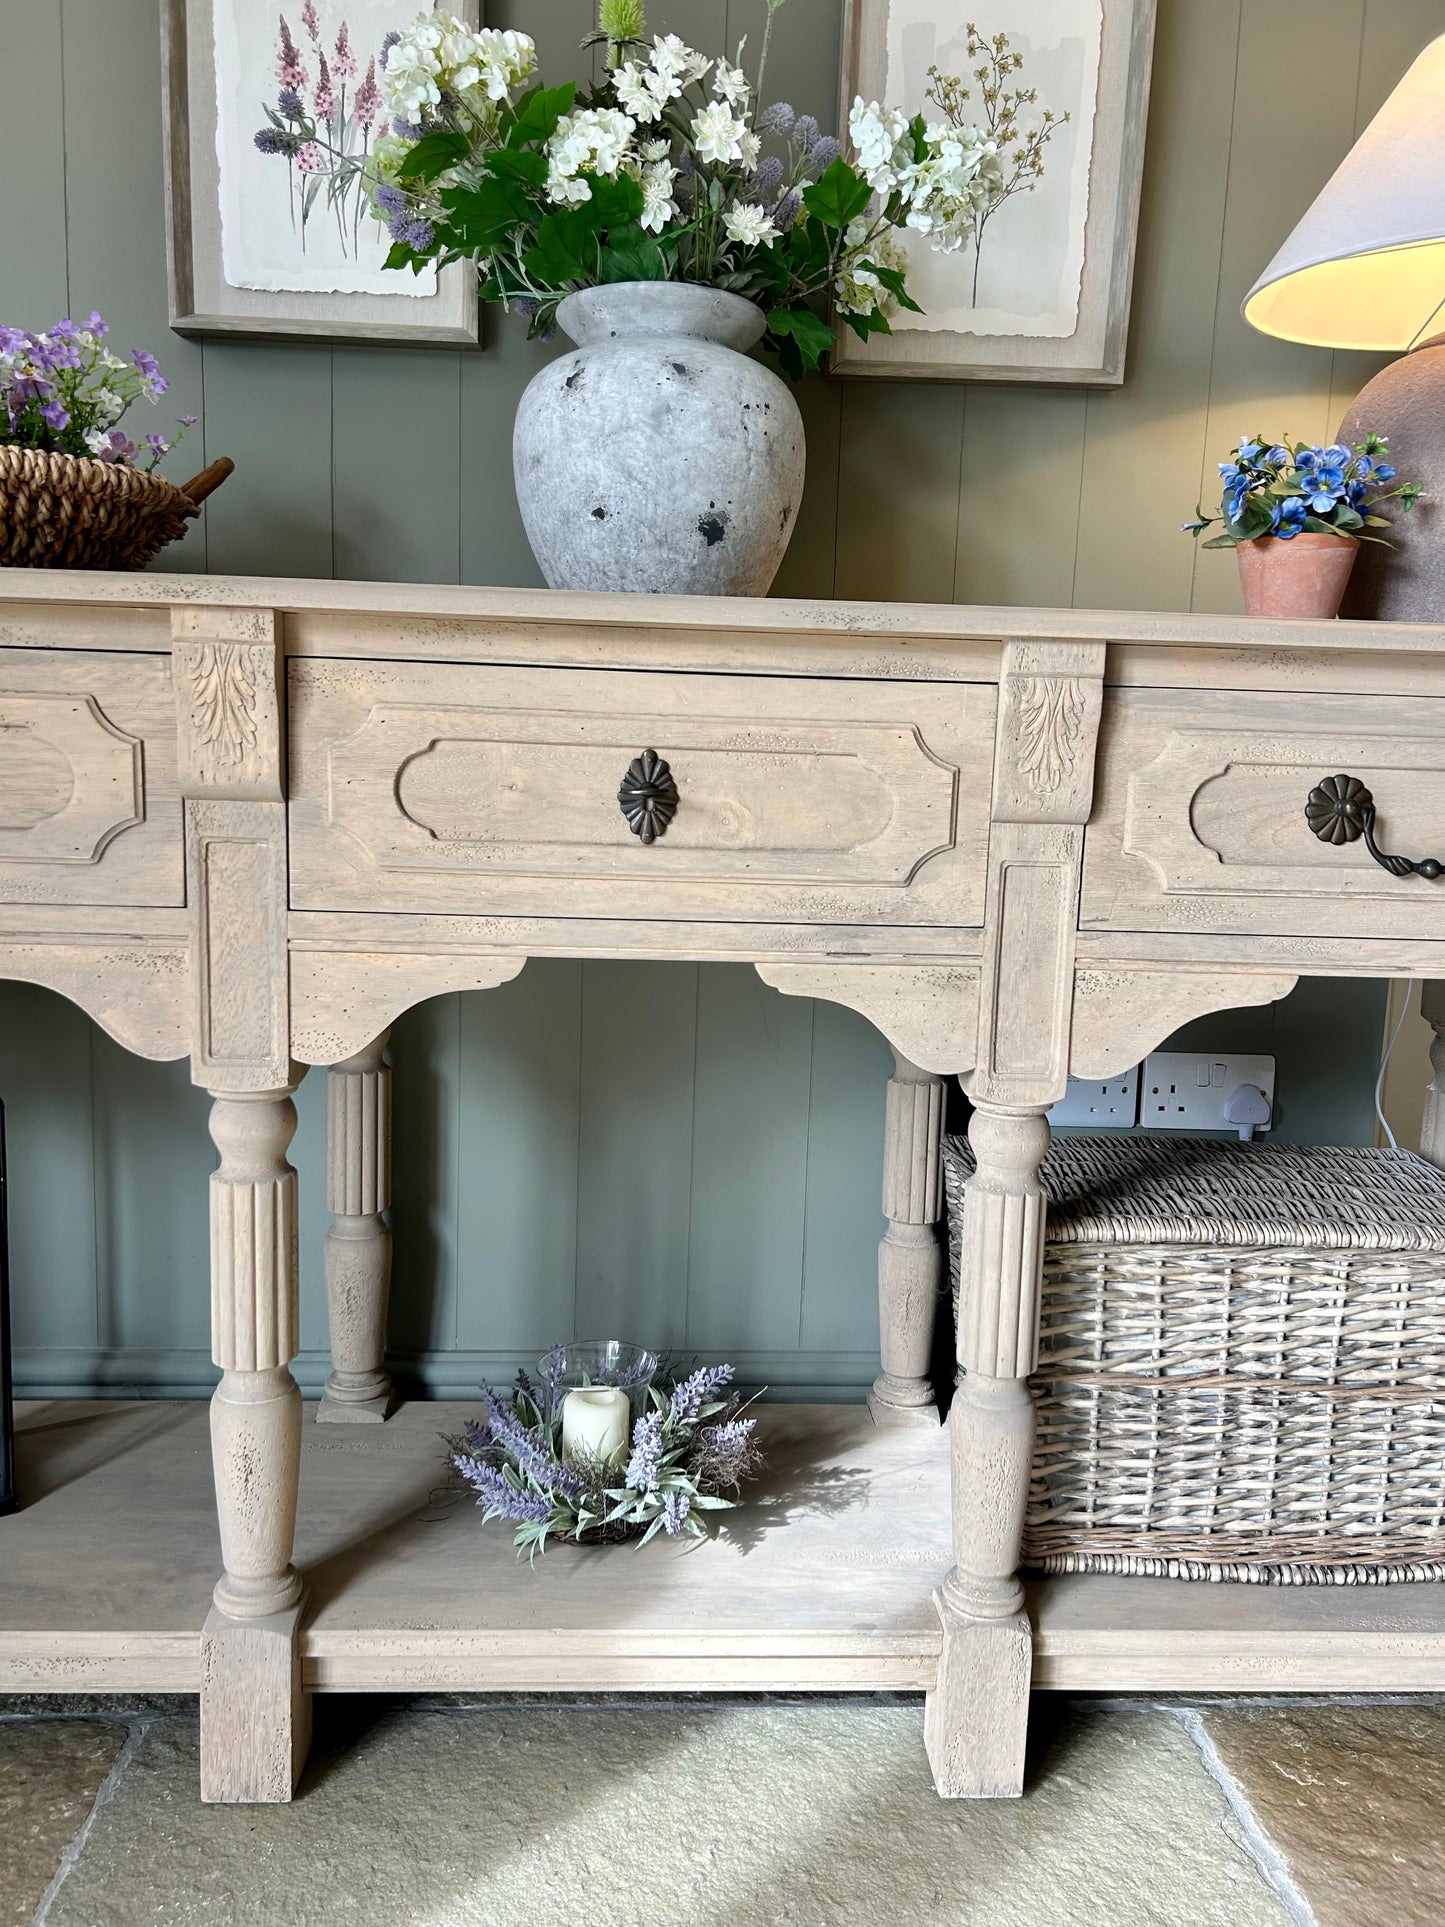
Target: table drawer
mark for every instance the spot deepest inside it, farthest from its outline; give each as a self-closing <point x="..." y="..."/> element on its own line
<point x="90" y="812"/>
<point x="1199" y="818"/>
<point x="468" y="788"/>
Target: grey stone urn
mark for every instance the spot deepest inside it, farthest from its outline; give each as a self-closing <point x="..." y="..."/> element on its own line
<point x="657" y="456"/>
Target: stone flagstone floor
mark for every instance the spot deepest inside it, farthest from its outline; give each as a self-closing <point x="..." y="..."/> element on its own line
<point x="730" y="1813"/>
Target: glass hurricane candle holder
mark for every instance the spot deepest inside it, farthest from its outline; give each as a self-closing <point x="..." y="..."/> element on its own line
<point x="598" y="1361"/>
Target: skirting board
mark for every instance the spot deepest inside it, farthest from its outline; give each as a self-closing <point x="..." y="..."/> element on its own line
<point x="98" y="1371"/>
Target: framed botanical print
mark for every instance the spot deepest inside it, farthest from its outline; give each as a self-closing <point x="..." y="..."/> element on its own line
<point x="261" y="237"/>
<point x="1040" y="292"/>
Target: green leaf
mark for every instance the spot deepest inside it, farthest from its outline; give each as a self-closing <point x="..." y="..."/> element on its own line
<point x="433" y="155"/>
<point x="527" y="164"/>
<point x="484" y="215"/>
<point x="555" y="257"/>
<point x="637" y="261"/>
<point x="537" y="114"/>
<point x="613" y="201"/>
<point x="839" y="197"/>
<point x="811" y="336"/>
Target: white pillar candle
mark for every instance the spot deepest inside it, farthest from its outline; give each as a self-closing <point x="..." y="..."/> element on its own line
<point x="595" y="1422"/>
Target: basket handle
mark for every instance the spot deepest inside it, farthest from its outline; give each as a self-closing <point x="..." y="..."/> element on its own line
<point x="209" y="479"/>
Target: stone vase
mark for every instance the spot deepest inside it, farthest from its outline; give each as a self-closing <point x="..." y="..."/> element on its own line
<point x="1302" y="575"/>
<point x="657" y="456"/>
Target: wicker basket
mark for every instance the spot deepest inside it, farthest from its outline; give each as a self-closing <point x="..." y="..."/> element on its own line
<point x="1242" y="1362"/>
<point x="65" y="512"/>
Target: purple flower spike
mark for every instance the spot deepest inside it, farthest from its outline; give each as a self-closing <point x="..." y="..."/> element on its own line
<point x="675" y="1508"/>
<point x="643" y="1471"/>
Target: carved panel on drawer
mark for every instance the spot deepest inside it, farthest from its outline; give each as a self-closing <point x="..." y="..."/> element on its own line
<point x="69" y="780"/>
<point x="1202" y="822"/>
<point x="88" y="805"/>
<point x="439" y="787"/>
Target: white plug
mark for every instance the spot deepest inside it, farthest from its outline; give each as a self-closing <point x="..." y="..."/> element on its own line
<point x="1245" y="1107"/>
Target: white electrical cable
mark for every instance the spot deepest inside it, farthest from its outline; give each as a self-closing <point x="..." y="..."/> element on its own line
<point x="1385" y="1063"/>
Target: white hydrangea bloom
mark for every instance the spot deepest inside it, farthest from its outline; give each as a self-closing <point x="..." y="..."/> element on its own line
<point x="857" y="289"/>
<point x="440" y="53"/>
<point x="658" y="206"/>
<point x="716" y="135"/>
<point x="750" y="226"/>
<point x="412" y="67"/>
<point x="591" y="141"/>
<point x="955" y="182"/>
<point x="880" y="140"/>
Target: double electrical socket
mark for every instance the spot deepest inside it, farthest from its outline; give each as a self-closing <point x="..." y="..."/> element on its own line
<point x="1175" y="1091"/>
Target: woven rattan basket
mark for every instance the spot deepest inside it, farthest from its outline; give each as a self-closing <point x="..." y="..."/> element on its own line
<point x="65" y="512"/>
<point x="1242" y="1362"/>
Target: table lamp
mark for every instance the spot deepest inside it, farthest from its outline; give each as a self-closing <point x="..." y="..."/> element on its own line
<point x="1365" y="268"/>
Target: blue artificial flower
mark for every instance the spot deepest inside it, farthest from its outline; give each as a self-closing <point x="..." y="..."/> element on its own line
<point x="1248" y="451"/>
<point x="1288" y="517"/>
<point x="1279" y="456"/>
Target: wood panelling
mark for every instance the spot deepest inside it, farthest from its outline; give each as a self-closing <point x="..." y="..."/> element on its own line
<point x="540" y="1125"/>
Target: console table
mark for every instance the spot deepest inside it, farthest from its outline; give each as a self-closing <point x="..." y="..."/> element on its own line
<point x="249" y="822"/>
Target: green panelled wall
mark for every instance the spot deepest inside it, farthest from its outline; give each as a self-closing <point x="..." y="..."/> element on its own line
<point x="671" y="1152"/>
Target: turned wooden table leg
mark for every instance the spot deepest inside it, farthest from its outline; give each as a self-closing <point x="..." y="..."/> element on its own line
<point x="976" y="1718"/>
<point x="255" y="1719"/>
<point x="910" y="1257"/>
<point x="358" y="1244"/>
<point x="1432" y="1126"/>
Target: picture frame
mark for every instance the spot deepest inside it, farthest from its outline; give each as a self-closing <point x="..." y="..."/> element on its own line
<point x="1063" y="311"/>
<point x="207" y="300"/>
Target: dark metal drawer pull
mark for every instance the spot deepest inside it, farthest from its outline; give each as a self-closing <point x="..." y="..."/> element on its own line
<point x="648" y="796"/>
<point x="1341" y="809"/>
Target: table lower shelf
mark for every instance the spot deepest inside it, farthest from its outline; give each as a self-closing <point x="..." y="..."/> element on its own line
<point x="821" y="1581"/>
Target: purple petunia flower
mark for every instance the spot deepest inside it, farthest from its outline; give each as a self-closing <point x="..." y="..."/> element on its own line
<point x="98" y="325"/>
<point x="158" y="443"/>
<point x="145" y="361"/>
<point x="55" y="414"/>
<point x="116" y="448"/>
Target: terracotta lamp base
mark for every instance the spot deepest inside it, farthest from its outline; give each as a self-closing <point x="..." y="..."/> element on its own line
<point x="1405" y="403"/>
<point x="1298" y="575"/>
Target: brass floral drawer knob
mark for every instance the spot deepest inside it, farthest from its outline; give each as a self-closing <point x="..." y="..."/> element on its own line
<point x="1341" y="809"/>
<point x="648" y="796"/>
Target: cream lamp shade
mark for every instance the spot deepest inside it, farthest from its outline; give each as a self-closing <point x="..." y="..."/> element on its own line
<point x="1365" y="267"/>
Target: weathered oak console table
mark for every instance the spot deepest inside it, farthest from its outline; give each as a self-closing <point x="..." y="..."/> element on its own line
<point x="250" y="822"/>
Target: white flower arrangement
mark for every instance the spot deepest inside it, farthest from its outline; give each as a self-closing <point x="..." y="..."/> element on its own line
<point x="666" y="171"/>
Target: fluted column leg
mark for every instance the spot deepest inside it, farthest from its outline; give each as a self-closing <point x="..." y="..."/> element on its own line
<point x="976" y="1719"/>
<point x="254" y="1715"/>
<point x="910" y="1257"/>
<point x="358" y="1243"/>
<point x="1432" y="1126"/>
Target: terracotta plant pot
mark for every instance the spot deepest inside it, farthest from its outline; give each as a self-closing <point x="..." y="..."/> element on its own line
<point x="1304" y="575"/>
